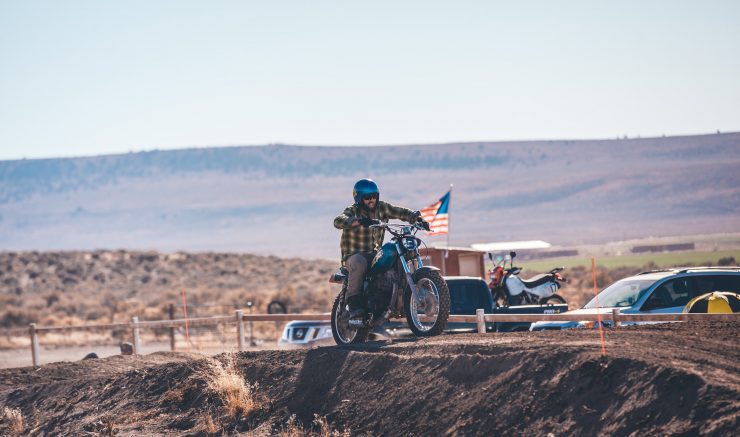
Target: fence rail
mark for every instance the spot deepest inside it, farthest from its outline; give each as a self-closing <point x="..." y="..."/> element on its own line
<point x="614" y="317"/>
<point x="239" y="318"/>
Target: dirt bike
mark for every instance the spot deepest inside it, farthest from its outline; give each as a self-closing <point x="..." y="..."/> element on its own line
<point x="397" y="284"/>
<point x="507" y="288"/>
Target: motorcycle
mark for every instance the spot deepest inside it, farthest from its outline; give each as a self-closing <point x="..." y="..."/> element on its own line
<point x="508" y="288"/>
<point x="397" y="284"/>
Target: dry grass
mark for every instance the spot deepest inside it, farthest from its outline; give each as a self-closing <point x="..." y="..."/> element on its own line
<point x="321" y="428"/>
<point x="209" y="425"/>
<point x="239" y="398"/>
<point x="12" y="418"/>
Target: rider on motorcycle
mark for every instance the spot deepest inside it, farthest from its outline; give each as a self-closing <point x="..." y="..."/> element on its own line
<point x="359" y="242"/>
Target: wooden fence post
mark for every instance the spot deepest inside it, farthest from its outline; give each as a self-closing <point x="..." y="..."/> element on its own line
<point x="172" y="328"/>
<point x="615" y="317"/>
<point x="240" y="329"/>
<point x="481" y="321"/>
<point x="34" y="344"/>
<point x="137" y="340"/>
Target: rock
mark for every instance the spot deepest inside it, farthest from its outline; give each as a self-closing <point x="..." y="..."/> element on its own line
<point x="91" y="356"/>
<point x="127" y="348"/>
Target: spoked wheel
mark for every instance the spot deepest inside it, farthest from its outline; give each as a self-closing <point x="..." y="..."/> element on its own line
<point x="340" y="329"/>
<point x="499" y="298"/>
<point x="555" y="299"/>
<point x="428" y="308"/>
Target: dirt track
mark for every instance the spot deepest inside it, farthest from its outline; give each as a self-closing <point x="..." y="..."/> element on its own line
<point x="661" y="379"/>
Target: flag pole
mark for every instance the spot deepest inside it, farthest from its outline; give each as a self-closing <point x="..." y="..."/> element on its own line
<point x="449" y="209"/>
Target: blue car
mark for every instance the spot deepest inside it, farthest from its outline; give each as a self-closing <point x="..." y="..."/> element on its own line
<point x="657" y="291"/>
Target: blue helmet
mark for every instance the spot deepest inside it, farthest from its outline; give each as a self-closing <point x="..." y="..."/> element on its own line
<point x="364" y="187"/>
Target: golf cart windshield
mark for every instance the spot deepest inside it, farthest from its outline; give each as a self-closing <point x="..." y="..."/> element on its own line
<point x="622" y="293"/>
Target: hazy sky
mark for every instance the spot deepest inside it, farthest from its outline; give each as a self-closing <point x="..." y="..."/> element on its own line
<point x="98" y="77"/>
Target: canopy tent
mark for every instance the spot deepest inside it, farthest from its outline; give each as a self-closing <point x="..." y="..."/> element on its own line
<point x="715" y="302"/>
<point x="510" y="245"/>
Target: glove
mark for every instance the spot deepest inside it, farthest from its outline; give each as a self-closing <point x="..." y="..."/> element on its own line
<point x="416" y="216"/>
<point x="417" y="219"/>
<point x="348" y="222"/>
<point x="366" y="222"/>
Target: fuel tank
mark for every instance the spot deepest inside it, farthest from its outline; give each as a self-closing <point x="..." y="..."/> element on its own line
<point x="384" y="259"/>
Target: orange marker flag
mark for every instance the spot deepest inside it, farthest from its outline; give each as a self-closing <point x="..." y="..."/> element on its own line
<point x="598" y="308"/>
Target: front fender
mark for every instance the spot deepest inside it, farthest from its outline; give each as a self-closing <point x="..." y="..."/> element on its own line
<point x="416" y="274"/>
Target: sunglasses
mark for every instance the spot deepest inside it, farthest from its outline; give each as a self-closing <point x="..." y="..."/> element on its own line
<point x="370" y="196"/>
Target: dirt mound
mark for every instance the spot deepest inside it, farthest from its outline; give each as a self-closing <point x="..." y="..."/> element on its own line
<point x="663" y="379"/>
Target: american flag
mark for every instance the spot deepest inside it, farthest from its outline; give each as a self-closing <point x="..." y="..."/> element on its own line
<point x="436" y="215"/>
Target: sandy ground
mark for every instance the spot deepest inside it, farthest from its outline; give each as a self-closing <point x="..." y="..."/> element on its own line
<point x="21" y="357"/>
<point x="50" y="354"/>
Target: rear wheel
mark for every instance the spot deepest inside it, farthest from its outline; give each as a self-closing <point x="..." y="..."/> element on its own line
<point x="555" y="299"/>
<point x="428" y="308"/>
<point x="340" y="329"/>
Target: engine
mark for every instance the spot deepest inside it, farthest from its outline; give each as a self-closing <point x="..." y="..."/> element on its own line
<point x="380" y="290"/>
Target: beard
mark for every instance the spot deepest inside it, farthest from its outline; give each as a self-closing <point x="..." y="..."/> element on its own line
<point x="373" y="205"/>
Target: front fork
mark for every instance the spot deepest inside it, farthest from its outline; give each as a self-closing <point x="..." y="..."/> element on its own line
<point x="406" y="269"/>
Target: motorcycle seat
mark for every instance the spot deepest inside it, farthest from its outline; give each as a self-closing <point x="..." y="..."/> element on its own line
<point x="536" y="280"/>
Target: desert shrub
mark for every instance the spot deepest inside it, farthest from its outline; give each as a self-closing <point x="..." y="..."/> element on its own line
<point x="14" y="318"/>
<point x="51" y="299"/>
<point x="237" y="396"/>
<point x="727" y="261"/>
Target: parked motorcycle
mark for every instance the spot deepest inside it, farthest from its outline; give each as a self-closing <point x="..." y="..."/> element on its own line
<point x="508" y="288"/>
<point x="397" y="284"/>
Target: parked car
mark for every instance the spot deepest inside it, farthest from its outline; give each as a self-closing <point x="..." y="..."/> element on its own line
<point x="467" y="293"/>
<point x="313" y="333"/>
<point x="657" y="291"/>
<point x="306" y="333"/>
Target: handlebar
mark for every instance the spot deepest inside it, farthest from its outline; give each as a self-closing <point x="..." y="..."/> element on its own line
<point x="397" y="229"/>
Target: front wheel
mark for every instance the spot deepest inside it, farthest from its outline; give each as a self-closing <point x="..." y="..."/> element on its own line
<point x="428" y="308"/>
<point x="340" y="329"/>
<point x="555" y="299"/>
<point x="499" y="297"/>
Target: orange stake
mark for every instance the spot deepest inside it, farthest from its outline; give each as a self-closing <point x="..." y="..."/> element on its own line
<point x="598" y="308"/>
<point x="185" y="311"/>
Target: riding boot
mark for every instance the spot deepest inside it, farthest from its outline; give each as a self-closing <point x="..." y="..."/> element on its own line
<point x="356" y="310"/>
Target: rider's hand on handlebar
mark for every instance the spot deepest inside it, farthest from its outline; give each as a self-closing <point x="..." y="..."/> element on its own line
<point x="417" y="219"/>
<point x="366" y="222"/>
<point x="352" y="222"/>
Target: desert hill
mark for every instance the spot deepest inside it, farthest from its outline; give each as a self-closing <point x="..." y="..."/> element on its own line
<point x="281" y="199"/>
<point x="53" y="288"/>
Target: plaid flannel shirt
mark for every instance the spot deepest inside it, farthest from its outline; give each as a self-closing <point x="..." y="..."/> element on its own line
<point x="360" y="238"/>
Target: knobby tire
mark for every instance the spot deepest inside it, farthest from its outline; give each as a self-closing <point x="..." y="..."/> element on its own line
<point x="444" y="304"/>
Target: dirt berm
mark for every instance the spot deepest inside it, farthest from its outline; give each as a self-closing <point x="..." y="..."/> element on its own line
<point x="660" y="379"/>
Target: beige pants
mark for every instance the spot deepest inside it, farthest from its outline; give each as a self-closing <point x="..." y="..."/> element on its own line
<point x="357" y="266"/>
